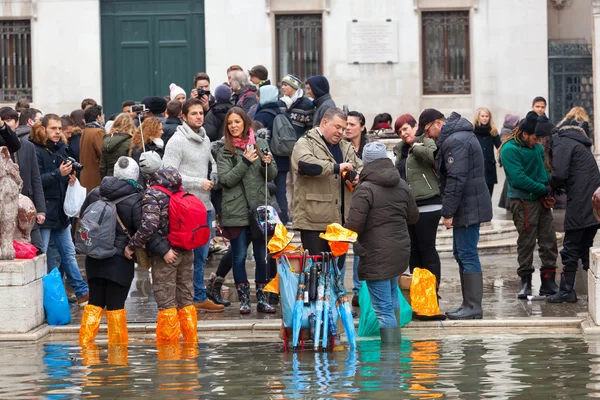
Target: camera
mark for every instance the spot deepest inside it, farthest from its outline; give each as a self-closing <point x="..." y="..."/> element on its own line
<point x="138" y="108"/>
<point x="77" y="167"/>
<point x="202" y="92"/>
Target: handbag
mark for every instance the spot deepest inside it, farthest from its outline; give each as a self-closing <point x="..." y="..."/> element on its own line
<point x="141" y="255"/>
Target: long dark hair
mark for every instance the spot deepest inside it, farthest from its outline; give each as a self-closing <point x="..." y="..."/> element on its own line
<point x="361" y="119"/>
<point x="379" y="118"/>
<point x="247" y="126"/>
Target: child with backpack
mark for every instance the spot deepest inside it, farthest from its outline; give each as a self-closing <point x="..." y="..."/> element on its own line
<point x="173" y="223"/>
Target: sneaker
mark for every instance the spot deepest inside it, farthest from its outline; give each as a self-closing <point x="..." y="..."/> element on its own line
<point x="209" y="306"/>
<point x="83" y="300"/>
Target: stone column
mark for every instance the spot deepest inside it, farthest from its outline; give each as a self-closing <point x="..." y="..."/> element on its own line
<point x="596" y="65"/>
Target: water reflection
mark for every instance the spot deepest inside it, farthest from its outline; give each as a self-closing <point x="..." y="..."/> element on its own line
<point x="467" y="367"/>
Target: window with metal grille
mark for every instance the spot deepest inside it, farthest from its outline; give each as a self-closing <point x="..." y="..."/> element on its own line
<point x="299" y="45"/>
<point x="446" y="55"/>
<point x="15" y="60"/>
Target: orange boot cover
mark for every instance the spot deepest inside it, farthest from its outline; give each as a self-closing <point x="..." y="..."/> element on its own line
<point x="90" y="354"/>
<point x="117" y="326"/>
<point x="90" y="322"/>
<point x="168" y="351"/>
<point x="188" y="320"/>
<point x="118" y="354"/>
<point x="167" y="326"/>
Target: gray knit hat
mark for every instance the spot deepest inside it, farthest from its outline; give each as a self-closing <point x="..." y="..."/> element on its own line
<point x="126" y="168"/>
<point x="373" y="151"/>
<point x="150" y="162"/>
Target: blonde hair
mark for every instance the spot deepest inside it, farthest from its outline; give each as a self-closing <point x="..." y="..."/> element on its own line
<point x="493" y="129"/>
<point x="123" y="124"/>
<point x="152" y="128"/>
<point x="576" y="113"/>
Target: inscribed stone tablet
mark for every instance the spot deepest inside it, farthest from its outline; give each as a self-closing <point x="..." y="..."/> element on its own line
<point x="373" y="42"/>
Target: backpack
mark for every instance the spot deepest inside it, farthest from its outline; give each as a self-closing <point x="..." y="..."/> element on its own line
<point x="283" y="137"/>
<point x="187" y="220"/>
<point x="95" y="236"/>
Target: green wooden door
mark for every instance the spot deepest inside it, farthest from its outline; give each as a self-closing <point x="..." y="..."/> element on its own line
<point x="146" y="45"/>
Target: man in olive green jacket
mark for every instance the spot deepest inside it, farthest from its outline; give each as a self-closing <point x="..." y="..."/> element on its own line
<point x="321" y="195"/>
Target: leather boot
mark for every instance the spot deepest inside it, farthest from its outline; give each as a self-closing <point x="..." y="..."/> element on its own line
<point x="188" y="322"/>
<point x="213" y="291"/>
<point x="243" y="290"/>
<point x="167" y="326"/>
<point x="117" y="326"/>
<point x="566" y="292"/>
<point x="548" y="287"/>
<point x="462" y="289"/>
<point x="262" y="300"/>
<point x="525" y="287"/>
<point x="473" y="292"/>
<point x="90" y="322"/>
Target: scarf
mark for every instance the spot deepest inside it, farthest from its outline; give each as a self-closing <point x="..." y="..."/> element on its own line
<point x="241" y="143"/>
<point x="482" y="130"/>
<point x="134" y="184"/>
<point x="299" y="93"/>
<point x="94" y="124"/>
<point x="382" y="125"/>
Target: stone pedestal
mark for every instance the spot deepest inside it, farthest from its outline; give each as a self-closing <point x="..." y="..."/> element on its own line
<point x="21" y="294"/>
<point x="594" y="285"/>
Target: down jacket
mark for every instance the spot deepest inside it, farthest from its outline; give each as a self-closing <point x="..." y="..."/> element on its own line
<point x="420" y="168"/>
<point x="574" y="166"/>
<point x="213" y="123"/>
<point x="461" y="169"/>
<point x="113" y="146"/>
<point x="382" y="208"/>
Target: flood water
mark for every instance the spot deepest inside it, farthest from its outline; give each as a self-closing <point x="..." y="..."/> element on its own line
<point x="450" y="367"/>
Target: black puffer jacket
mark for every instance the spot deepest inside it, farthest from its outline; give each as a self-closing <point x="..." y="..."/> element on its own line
<point x="574" y="166"/>
<point x="169" y="128"/>
<point x="116" y="268"/>
<point x="213" y="123"/>
<point x="382" y="208"/>
<point x="461" y="169"/>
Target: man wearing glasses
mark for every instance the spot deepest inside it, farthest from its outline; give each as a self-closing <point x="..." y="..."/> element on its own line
<point x="466" y="200"/>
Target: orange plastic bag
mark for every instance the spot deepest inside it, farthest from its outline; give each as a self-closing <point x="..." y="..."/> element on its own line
<point x="423" y="295"/>
<point x="273" y="286"/>
<point x="339" y="248"/>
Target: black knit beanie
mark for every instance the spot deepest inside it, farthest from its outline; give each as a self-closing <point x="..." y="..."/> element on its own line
<point x="528" y="123"/>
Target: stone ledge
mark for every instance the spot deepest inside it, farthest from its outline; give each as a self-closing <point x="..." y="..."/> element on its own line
<point x="22" y="272"/>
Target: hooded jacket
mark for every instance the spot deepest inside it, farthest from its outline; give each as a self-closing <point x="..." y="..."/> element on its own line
<point x="116" y="268"/>
<point x="319" y="85"/>
<point x="266" y="115"/>
<point x="574" y="166"/>
<point x="169" y="128"/>
<point x="525" y="171"/>
<point x="461" y="170"/>
<point x="213" y="123"/>
<point x="420" y="168"/>
<point x="189" y="153"/>
<point x="382" y="208"/>
<point x="113" y="146"/>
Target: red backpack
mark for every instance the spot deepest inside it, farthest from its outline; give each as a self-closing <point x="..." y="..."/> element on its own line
<point x="187" y="220"/>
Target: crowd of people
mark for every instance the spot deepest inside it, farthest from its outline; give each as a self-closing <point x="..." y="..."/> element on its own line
<point x="217" y="146"/>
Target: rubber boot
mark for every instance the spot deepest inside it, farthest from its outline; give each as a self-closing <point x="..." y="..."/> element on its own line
<point x="548" y="287"/>
<point x="462" y="289"/>
<point x="214" y="291"/>
<point x="525" y="287"/>
<point x="262" y="300"/>
<point x="243" y="290"/>
<point x="188" y="322"/>
<point x="167" y="326"/>
<point x="117" y="326"/>
<point x="566" y="292"/>
<point x="90" y="322"/>
<point x="473" y="291"/>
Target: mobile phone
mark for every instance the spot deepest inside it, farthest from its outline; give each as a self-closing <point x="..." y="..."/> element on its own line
<point x="249" y="146"/>
<point x="138" y="108"/>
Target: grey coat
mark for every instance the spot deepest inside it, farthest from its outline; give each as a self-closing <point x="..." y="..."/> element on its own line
<point x="322" y="104"/>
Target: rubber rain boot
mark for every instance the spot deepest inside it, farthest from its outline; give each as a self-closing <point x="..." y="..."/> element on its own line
<point x="214" y="291"/>
<point x="262" y="299"/>
<point x="117" y="326"/>
<point x="548" y="287"/>
<point x="90" y="322"/>
<point x="473" y="289"/>
<point x="462" y="289"/>
<point x="167" y="326"/>
<point x="188" y="321"/>
<point x="566" y="292"/>
<point x="243" y="290"/>
<point x="525" y="287"/>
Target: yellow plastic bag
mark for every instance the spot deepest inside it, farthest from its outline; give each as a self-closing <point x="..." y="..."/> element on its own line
<point x="423" y="295"/>
<point x="273" y="286"/>
<point x="281" y="239"/>
<point x="337" y="233"/>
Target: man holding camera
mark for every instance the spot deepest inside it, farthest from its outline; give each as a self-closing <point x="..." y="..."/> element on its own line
<point x="326" y="168"/>
<point x="202" y="91"/>
<point x="56" y="172"/>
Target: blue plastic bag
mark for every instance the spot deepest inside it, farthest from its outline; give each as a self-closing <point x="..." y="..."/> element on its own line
<point x="368" y="325"/>
<point x="56" y="303"/>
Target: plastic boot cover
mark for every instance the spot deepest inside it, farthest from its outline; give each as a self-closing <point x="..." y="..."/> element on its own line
<point x="118" y="354"/>
<point x="167" y="326"/>
<point x="90" y="322"/>
<point x="188" y="321"/>
<point x="117" y="326"/>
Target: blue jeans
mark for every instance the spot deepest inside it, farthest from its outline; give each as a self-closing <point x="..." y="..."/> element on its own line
<point x="200" y="255"/>
<point x="281" y="196"/>
<point x="384" y="297"/>
<point x="239" y="248"/>
<point x="356" y="283"/>
<point x="464" y="248"/>
<point x="66" y="249"/>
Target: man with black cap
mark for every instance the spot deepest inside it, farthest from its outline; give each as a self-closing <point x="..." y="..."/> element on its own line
<point x="574" y="166"/>
<point x="259" y="76"/>
<point x="466" y="199"/>
<point x="317" y="87"/>
<point x="530" y="201"/>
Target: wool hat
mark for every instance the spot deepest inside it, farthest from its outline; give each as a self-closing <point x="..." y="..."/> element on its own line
<point x="428" y="116"/>
<point x="544" y="127"/>
<point x="268" y="94"/>
<point x="511" y="120"/>
<point x="319" y="85"/>
<point x="176" y="91"/>
<point x="292" y="80"/>
<point x="223" y="94"/>
<point x="126" y="168"/>
<point x="528" y="123"/>
<point x="155" y="104"/>
<point x="150" y="162"/>
<point x="260" y="72"/>
<point x="373" y="151"/>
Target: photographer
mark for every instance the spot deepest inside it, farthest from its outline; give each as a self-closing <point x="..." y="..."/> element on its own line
<point x="56" y="172"/>
<point x="202" y="91"/>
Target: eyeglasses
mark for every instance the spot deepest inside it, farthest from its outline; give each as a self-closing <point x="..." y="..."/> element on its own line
<point x="427" y="128"/>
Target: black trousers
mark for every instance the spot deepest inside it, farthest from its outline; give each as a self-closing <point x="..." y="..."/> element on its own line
<point x="315" y="246"/>
<point x="106" y="293"/>
<point x="226" y="263"/>
<point x="422" y="243"/>
<point x="576" y="246"/>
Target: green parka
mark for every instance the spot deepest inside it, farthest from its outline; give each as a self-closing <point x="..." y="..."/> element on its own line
<point x="113" y="147"/>
<point x="420" y="168"/>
